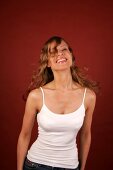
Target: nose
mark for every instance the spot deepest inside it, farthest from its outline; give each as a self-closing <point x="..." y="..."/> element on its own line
<point x="60" y="52"/>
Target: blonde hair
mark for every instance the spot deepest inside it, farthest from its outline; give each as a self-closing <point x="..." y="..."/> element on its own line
<point x="44" y="73"/>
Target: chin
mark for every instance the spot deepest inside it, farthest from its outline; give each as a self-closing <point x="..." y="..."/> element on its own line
<point x="62" y="68"/>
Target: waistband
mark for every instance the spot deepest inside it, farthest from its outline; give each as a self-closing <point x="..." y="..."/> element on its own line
<point x="34" y="165"/>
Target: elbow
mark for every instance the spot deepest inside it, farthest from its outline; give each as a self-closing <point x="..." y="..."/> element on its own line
<point x="24" y="137"/>
<point x="86" y="136"/>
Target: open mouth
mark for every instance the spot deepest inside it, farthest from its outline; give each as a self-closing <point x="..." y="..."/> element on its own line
<point x="61" y="60"/>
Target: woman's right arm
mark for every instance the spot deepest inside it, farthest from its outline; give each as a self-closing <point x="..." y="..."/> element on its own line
<point x="25" y="134"/>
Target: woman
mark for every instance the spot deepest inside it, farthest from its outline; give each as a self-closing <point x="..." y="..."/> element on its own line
<point x="64" y="100"/>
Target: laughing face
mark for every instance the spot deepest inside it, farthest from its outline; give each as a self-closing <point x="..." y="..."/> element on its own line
<point x="60" y="58"/>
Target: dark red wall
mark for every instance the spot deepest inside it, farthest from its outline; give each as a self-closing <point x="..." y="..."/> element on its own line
<point x="25" y="26"/>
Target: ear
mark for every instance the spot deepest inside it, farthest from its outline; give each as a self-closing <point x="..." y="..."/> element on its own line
<point x="48" y="64"/>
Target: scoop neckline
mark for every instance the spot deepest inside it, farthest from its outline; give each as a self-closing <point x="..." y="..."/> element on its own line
<point x="66" y="114"/>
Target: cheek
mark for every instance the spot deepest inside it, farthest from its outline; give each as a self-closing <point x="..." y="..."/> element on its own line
<point x="50" y="62"/>
<point x="69" y="57"/>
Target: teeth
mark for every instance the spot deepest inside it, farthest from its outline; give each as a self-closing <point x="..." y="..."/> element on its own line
<point x="61" y="60"/>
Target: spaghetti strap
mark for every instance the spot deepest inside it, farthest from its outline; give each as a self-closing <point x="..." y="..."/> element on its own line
<point x="84" y="96"/>
<point x="42" y="94"/>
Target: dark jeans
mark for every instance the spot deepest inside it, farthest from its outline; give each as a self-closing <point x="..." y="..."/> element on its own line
<point x="28" y="165"/>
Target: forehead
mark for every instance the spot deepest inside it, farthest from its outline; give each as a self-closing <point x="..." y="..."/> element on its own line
<point x="62" y="44"/>
<point x="57" y="46"/>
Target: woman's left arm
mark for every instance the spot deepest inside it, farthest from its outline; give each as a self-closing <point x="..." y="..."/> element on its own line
<point x="85" y="133"/>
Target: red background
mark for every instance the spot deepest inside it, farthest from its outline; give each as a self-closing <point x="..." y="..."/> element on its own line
<point x="25" y="26"/>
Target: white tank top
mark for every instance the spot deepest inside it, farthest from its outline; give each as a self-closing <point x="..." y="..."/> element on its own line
<point x="56" y="143"/>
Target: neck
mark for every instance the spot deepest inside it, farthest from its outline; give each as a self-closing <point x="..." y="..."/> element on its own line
<point x="63" y="80"/>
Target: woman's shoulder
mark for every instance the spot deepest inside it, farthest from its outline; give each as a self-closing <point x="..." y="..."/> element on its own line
<point x="90" y="96"/>
<point x="90" y="93"/>
<point x="35" y="98"/>
<point x="35" y="94"/>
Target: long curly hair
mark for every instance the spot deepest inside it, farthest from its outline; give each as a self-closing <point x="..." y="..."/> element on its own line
<point x="44" y="74"/>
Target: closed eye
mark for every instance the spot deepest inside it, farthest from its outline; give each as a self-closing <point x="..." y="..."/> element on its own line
<point x="65" y="49"/>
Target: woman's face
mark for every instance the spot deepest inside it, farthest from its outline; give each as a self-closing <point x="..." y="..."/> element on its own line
<point x="60" y="57"/>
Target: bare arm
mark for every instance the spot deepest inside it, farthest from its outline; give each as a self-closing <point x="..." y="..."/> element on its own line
<point x="25" y="134"/>
<point x="85" y="134"/>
